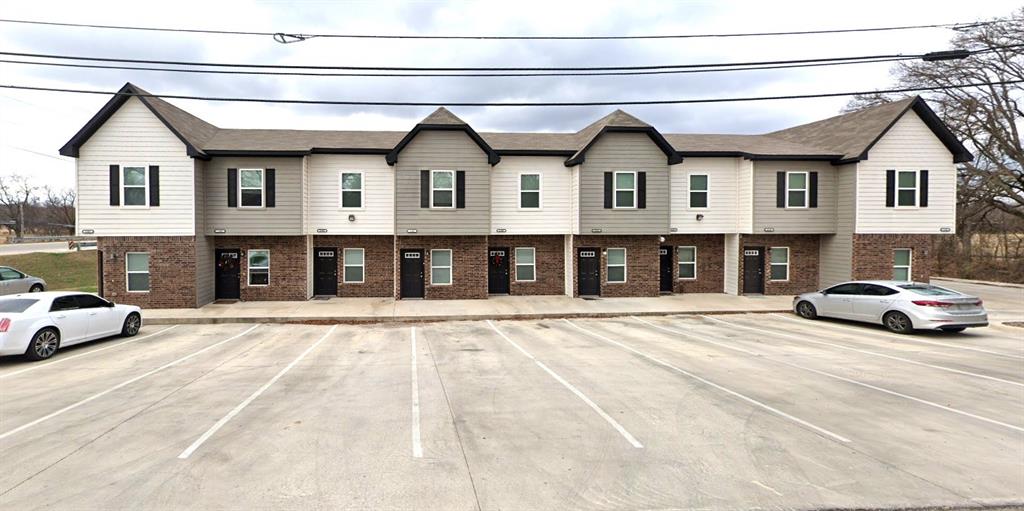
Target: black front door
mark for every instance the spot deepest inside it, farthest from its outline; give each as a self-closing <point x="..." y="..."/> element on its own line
<point x="665" y="253"/>
<point x="753" y="270"/>
<point x="227" y="279"/>
<point x="497" y="270"/>
<point x="412" y="273"/>
<point x="589" y="264"/>
<point x="325" y="271"/>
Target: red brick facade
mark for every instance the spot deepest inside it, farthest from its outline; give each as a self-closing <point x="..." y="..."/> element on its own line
<point x="172" y="270"/>
<point x="288" y="266"/>
<point x="378" y="263"/>
<point x="803" y="262"/>
<point x="873" y="255"/>
<point x="549" y="259"/>
<point x="710" y="262"/>
<point x="469" y="265"/>
<point x="642" y="264"/>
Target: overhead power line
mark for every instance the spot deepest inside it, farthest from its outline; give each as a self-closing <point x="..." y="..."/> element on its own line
<point x="514" y="103"/>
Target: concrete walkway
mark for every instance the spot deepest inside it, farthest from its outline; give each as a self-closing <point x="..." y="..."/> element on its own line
<point x="376" y="310"/>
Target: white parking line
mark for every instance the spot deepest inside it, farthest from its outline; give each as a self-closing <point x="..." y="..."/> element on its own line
<point x="72" y="357"/>
<point x="252" y="397"/>
<point x="121" y="385"/>
<point x="714" y="385"/>
<point x="618" y="427"/>
<point x="866" y="352"/>
<point x="417" y="447"/>
<point x="907" y="338"/>
<point x="841" y="378"/>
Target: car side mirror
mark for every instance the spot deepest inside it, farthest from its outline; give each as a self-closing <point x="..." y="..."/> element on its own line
<point x="110" y="304"/>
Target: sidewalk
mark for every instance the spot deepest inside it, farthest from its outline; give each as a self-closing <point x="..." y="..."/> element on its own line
<point x="379" y="310"/>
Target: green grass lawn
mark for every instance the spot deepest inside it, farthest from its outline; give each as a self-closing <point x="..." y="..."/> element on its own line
<point x="70" y="271"/>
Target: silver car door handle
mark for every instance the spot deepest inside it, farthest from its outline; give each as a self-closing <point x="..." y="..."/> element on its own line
<point x="92" y="313"/>
<point x="61" y="316"/>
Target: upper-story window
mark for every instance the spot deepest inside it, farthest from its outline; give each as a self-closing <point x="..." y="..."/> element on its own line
<point x="624" y="191"/>
<point x="442" y="188"/>
<point x="906" y="188"/>
<point x="250" y="189"/>
<point x="351" y="189"/>
<point x="134" y="187"/>
<point x="796" y="189"/>
<point x="529" y="191"/>
<point x="698" y="191"/>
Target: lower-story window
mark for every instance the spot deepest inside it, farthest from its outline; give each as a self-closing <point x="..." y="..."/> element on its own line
<point x="354" y="265"/>
<point x="902" y="258"/>
<point x="137" y="267"/>
<point x="616" y="267"/>
<point x="526" y="264"/>
<point x="687" y="262"/>
<point x="780" y="263"/>
<point x="440" y="267"/>
<point x="259" y="267"/>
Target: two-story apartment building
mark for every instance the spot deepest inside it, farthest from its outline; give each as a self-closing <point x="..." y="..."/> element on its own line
<point x="186" y="213"/>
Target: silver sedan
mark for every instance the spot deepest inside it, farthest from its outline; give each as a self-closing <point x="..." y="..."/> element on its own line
<point x="13" y="282"/>
<point x="901" y="306"/>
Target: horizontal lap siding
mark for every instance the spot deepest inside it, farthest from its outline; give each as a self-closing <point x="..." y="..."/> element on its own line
<point x="204" y="244"/>
<point x="722" y="214"/>
<point x="377" y="216"/>
<point x="552" y="218"/>
<point x="632" y="152"/>
<point x="283" y="219"/>
<point x="134" y="136"/>
<point x="837" y="249"/>
<point x="821" y="219"/>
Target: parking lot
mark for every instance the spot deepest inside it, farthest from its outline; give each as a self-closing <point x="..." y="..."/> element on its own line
<point x="716" y="412"/>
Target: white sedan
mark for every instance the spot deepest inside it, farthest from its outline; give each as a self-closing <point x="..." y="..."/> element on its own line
<point x="37" y="324"/>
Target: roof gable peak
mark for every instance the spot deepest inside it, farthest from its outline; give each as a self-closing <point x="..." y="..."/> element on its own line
<point x="443" y="116"/>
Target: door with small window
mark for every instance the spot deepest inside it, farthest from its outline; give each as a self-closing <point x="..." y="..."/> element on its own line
<point x="498" y="270"/>
<point x="228" y="271"/>
<point x="665" y="255"/>
<point x="411" y="273"/>
<point x="325" y="271"/>
<point x="753" y="270"/>
<point x="589" y="277"/>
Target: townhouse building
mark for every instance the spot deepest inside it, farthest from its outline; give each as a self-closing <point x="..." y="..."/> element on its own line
<point x="186" y="213"/>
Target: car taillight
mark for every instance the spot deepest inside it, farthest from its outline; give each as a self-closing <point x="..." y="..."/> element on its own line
<point x="980" y="302"/>
<point x="5" y="323"/>
<point x="931" y="303"/>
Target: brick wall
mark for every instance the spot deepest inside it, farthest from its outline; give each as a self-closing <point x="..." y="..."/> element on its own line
<point x="287" y="266"/>
<point x="172" y="270"/>
<point x="642" y="264"/>
<point x="710" y="262"/>
<point x="378" y="263"/>
<point x="803" y="261"/>
<point x="549" y="257"/>
<point x="469" y="265"/>
<point x="873" y="255"/>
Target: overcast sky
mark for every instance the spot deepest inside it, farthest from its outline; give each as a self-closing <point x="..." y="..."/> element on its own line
<point x="33" y="125"/>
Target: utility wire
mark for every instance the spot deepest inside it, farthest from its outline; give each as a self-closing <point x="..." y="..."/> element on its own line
<point x="514" y="103"/>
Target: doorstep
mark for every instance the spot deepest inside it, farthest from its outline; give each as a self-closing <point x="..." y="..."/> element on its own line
<point x="381" y="310"/>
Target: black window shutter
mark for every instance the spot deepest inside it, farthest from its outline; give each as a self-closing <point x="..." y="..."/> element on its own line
<point x="890" y="188"/>
<point x="641" y="190"/>
<point x="924" y="189"/>
<point x="154" y="185"/>
<point x="608" y="190"/>
<point x="780" y="189"/>
<point x="460" y="189"/>
<point x="271" y="185"/>
<point x="232" y="188"/>
<point x="424" y="188"/>
<point x="115" y="185"/>
<point x="812" y="193"/>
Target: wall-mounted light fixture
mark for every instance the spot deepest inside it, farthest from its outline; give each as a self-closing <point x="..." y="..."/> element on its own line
<point x="661" y="239"/>
<point x="351" y="218"/>
<point x="700" y="216"/>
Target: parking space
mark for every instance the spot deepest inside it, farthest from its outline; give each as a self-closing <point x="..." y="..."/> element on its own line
<point x="718" y="412"/>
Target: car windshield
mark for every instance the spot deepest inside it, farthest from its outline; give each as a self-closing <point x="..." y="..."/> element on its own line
<point x="16" y="304"/>
<point x="926" y="289"/>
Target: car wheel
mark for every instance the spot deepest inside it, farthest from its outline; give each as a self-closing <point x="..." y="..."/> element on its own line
<point x="898" y="322"/>
<point x="806" y="310"/>
<point x="43" y="345"/>
<point x="36" y="288"/>
<point x="132" y="324"/>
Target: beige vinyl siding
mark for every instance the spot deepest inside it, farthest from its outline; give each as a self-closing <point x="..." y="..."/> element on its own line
<point x="836" y="251"/>
<point x="570" y="265"/>
<point x="377" y="214"/>
<point x="745" y="197"/>
<point x="574" y="200"/>
<point x="732" y="264"/>
<point x="821" y="219"/>
<point x="133" y="136"/>
<point x="909" y="145"/>
<point x="443" y="150"/>
<point x="204" y="245"/>
<point x="283" y="219"/>
<point x="624" y="152"/>
<point x="553" y="217"/>
<point x="722" y="214"/>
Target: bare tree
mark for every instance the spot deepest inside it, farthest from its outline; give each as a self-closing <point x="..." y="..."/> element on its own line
<point x="17" y="194"/>
<point x="60" y="208"/>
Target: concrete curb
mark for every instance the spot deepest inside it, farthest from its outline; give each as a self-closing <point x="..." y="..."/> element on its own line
<point x="982" y="282"/>
<point x="434" y="318"/>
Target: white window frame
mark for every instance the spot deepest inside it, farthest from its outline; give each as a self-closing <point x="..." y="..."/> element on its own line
<point x="452" y="189"/>
<point x="127" y="272"/>
<point x="345" y="265"/>
<point x="249" y="267"/>
<point x="607" y="265"/>
<point x="342" y="190"/>
<point x="789" y="256"/>
<point x="916" y="188"/>
<point x="680" y="263"/>
<point x="451" y="264"/>
<point x="690" y="192"/>
<point x="806" y="189"/>
<point x="909" y="266"/>
<point x="615" y="189"/>
<point x="145" y="186"/>
<point x="533" y="251"/>
<point x="539" y="191"/>
<point x="262" y="188"/>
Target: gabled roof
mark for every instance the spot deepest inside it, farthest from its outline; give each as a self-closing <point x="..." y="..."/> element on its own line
<point x="191" y="130"/>
<point x="854" y="134"/>
<point x="442" y="119"/>
<point x="618" y="122"/>
<point x="746" y="146"/>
